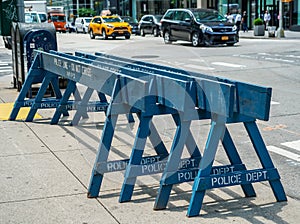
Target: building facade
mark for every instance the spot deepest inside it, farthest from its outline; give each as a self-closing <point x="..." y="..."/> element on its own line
<point x="138" y="8"/>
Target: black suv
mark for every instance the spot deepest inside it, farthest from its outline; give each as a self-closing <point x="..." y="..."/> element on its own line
<point x="150" y="24"/>
<point x="199" y="26"/>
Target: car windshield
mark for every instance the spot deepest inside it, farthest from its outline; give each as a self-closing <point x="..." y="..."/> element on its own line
<point x="31" y="18"/>
<point x="57" y="18"/>
<point x="130" y="20"/>
<point x="88" y="20"/>
<point x="112" y="19"/>
<point x="209" y="16"/>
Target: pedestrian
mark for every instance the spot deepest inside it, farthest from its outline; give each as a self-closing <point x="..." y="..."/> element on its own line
<point x="267" y="18"/>
<point x="244" y="22"/>
<point x="238" y="20"/>
<point x="229" y="17"/>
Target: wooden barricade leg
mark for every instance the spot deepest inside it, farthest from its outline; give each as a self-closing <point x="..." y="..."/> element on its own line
<point x="180" y="138"/>
<point x="102" y="155"/>
<point x="105" y="143"/>
<point x="71" y="88"/>
<point x="216" y="133"/>
<point x="39" y="97"/>
<point x="265" y="159"/>
<point x="235" y="159"/>
<point x="136" y="157"/>
<point x="81" y="109"/>
<point x="20" y="101"/>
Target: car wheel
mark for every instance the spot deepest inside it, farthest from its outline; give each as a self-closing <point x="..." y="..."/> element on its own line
<point x="127" y="37"/>
<point x="77" y="30"/>
<point x="230" y="44"/>
<point x="143" y="32"/>
<point x="167" y="38"/>
<point x="105" y="37"/>
<point x="155" y="32"/>
<point x="195" y="40"/>
<point x="92" y="35"/>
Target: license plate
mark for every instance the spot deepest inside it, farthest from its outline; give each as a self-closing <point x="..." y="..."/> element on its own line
<point x="224" y="38"/>
<point x="120" y="31"/>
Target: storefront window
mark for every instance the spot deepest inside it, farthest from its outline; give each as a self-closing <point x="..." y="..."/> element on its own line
<point x="154" y="7"/>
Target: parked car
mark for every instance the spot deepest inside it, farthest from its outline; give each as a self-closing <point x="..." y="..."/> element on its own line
<point x="109" y="26"/>
<point x="82" y="24"/>
<point x="199" y="26"/>
<point x="133" y="23"/>
<point x="32" y="17"/>
<point x="43" y="17"/>
<point x="150" y="24"/>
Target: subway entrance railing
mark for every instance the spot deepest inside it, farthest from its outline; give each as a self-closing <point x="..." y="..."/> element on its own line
<point x="149" y="90"/>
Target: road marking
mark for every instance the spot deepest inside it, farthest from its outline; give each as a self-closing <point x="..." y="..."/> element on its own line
<point x="1" y="71"/>
<point x="284" y="153"/>
<point x="5" y="67"/>
<point x="6" y="108"/>
<point x="229" y="65"/>
<point x="198" y="67"/>
<point x="294" y="145"/>
<point x="197" y="60"/>
<point x="4" y="63"/>
<point x="274" y="103"/>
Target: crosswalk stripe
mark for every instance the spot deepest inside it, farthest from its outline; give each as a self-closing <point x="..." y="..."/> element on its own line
<point x="229" y="65"/>
<point x="294" y="145"/>
<point x="8" y="70"/>
<point x="5" y="67"/>
<point x="198" y="67"/>
<point x="284" y="153"/>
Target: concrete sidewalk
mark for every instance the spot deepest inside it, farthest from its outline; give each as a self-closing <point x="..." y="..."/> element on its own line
<point x="45" y="171"/>
<point x="287" y="35"/>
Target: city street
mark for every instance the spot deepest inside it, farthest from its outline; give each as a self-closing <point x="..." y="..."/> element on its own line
<point x="268" y="62"/>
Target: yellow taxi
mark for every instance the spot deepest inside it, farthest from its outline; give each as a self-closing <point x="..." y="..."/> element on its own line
<point x="109" y="26"/>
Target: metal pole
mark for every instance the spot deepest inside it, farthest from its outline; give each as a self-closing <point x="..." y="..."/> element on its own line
<point x="280" y="30"/>
<point x="20" y="11"/>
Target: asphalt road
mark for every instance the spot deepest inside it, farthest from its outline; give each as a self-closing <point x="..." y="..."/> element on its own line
<point x="267" y="62"/>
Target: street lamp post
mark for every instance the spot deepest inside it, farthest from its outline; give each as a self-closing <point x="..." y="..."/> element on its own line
<point x="280" y="30"/>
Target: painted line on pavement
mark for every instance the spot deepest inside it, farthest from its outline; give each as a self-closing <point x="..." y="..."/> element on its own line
<point x="294" y="145"/>
<point x="274" y="103"/>
<point x="198" y="67"/>
<point x="228" y="65"/>
<point x="283" y="152"/>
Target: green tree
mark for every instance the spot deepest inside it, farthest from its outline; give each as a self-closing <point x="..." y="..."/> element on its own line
<point x="86" y="12"/>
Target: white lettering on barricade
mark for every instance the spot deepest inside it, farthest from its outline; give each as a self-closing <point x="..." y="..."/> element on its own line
<point x="226" y="180"/>
<point x="187" y="175"/>
<point x="187" y="163"/>
<point x="49" y="105"/>
<point x="27" y="103"/>
<point x="153" y="168"/>
<point x="222" y="170"/>
<point x="148" y="160"/>
<point x="116" y="166"/>
<point x="256" y="176"/>
<point x="87" y="71"/>
<point x="71" y="106"/>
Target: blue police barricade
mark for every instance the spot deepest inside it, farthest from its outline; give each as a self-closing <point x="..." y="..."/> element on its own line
<point x="151" y="90"/>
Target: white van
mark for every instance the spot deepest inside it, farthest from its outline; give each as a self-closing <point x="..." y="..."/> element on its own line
<point x="32" y="17"/>
<point x="82" y="24"/>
